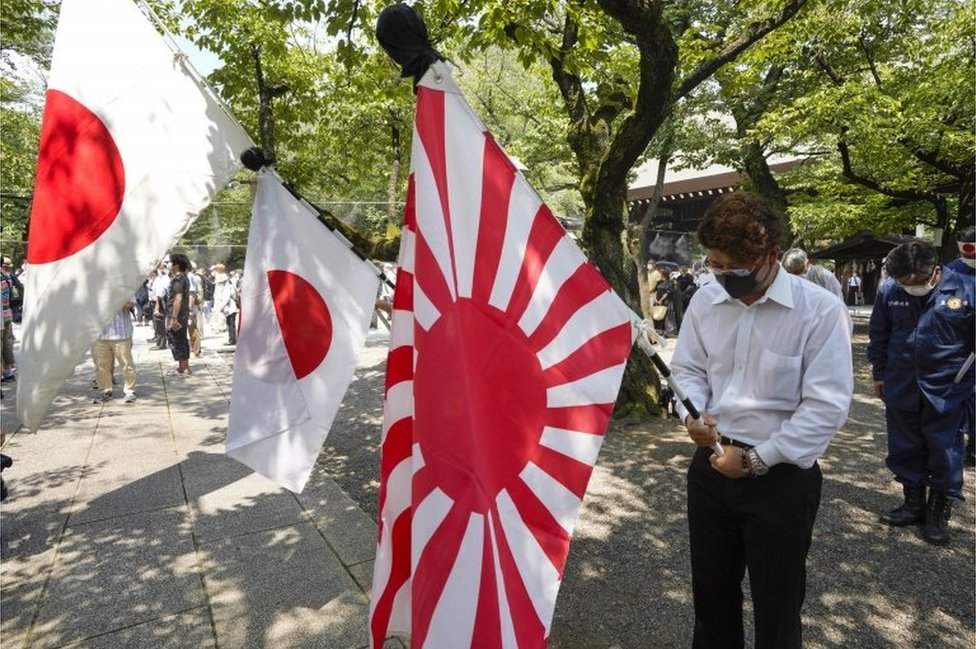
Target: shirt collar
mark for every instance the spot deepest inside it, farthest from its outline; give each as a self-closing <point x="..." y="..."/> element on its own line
<point x="778" y="291"/>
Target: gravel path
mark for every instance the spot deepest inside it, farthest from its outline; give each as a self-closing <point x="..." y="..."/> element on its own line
<point x="627" y="581"/>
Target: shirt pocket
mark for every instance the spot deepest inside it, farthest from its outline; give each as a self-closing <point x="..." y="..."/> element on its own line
<point x="779" y="376"/>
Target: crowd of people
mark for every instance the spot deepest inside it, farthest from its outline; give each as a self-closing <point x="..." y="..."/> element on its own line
<point x="176" y="299"/>
<point x="671" y="286"/>
<point x="763" y="347"/>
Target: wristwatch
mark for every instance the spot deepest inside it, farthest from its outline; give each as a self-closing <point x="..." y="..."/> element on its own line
<point x="755" y="467"/>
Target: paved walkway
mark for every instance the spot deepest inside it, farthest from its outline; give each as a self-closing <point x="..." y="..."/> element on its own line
<point x="128" y="527"/>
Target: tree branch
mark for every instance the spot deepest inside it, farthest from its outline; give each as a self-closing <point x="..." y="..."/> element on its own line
<point x="828" y="69"/>
<point x="867" y="55"/>
<point x="570" y="85"/>
<point x="755" y="32"/>
<point x="864" y="181"/>
<point x="933" y="159"/>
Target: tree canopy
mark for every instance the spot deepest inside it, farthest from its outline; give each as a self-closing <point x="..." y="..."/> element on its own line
<point x="875" y="98"/>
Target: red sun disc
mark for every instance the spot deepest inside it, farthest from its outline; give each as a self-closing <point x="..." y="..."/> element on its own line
<point x="304" y="319"/>
<point x="80" y="181"/>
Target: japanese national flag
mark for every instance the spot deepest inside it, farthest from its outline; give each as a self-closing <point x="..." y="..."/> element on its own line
<point x="132" y="147"/>
<point x="306" y="304"/>
<point x="506" y="355"/>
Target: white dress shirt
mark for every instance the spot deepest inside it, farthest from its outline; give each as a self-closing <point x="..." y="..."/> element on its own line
<point x="777" y="375"/>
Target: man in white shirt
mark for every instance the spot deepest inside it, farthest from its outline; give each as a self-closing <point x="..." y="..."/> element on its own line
<point x="766" y="356"/>
<point x="157" y="292"/>
<point x="854" y="295"/>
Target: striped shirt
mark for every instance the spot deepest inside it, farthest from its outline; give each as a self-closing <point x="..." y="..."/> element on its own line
<point x="118" y="328"/>
<point x="6" y="292"/>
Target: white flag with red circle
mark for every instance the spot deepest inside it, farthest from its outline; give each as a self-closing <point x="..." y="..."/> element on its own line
<point x="306" y="304"/>
<point x="506" y="356"/>
<point x="133" y="146"/>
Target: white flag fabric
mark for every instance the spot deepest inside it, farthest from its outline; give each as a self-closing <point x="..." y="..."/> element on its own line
<point x="506" y="354"/>
<point x="306" y="304"/>
<point x="132" y="148"/>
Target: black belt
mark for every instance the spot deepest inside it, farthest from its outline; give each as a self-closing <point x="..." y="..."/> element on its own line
<point x="728" y="441"/>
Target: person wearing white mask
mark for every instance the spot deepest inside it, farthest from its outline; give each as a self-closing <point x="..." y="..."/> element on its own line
<point x="921" y="339"/>
<point x="965" y="265"/>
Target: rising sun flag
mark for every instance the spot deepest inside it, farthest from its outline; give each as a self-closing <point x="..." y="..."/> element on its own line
<point x="506" y="356"/>
<point x="133" y="146"/>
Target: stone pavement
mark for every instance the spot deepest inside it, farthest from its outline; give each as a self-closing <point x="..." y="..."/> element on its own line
<point x="127" y="526"/>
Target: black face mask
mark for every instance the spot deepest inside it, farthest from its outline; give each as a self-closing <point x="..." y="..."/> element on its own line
<point x="738" y="287"/>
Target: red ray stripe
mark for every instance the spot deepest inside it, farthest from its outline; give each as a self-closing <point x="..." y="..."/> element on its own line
<point x="573" y="474"/>
<point x="579" y="289"/>
<point x="529" y="630"/>
<point x="403" y="293"/>
<point x="487" y="621"/>
<point x="591" y="418"/>
<point x="399" y="366"/>
<point x="430" y="122"/>
<point x="433" y="568"/>
<point x="396" y="448"/>
<point x="497" y="180"/>
<point x="424" y="482"/>
<point x="543" y="237"/>
<point x="430" y="278"/>
<point x="410" y="208"/>
<point x="430" y="128"/>
<point x="598" y="353"/>
<point x="399" y="573"/>
<point x="543" y="525"/>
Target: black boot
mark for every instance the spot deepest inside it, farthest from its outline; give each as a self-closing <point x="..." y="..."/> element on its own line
<point x="911" y="512"/>
<point x="937" y="519"/>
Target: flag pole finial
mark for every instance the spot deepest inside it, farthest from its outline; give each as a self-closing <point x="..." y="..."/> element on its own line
<point x="402" y="33"/>
<point x="254" y="159"/>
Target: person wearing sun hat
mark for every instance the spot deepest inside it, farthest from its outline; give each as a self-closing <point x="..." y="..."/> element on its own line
<point x="225" y="301"/>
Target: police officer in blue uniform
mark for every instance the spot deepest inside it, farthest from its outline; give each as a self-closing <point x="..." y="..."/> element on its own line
<point x="921" y="334"/>
<point x="965" y="265"/>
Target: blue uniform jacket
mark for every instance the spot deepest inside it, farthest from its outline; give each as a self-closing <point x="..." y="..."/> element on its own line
<point x="923" y="342"/>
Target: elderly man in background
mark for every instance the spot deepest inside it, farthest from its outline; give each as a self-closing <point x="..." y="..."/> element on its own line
<point x="796" y="262"/>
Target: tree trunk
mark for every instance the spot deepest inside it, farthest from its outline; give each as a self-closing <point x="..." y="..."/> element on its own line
<point x="265" y="114"/>
<point x="392" y="213"/>
<point x="765" y="184"/>
<point x="967" y="200"/>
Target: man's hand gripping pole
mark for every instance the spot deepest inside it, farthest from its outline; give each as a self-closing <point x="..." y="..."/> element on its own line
<point x="644" y="342"/>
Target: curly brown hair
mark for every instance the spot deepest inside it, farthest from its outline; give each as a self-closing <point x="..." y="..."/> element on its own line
<point x="742" y="225"/>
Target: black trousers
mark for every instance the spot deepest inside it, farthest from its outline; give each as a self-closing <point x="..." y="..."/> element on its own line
<point x="179" y="345"/>
<point x="231" y="328"/>
<point x="159" y="330"/>
<point x="763" y="524"/>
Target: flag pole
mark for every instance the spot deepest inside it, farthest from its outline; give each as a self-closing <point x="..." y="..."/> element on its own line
<point x="184" y="60"/>
<point x="254" y="159"/>
<point x="645" y="344"/>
